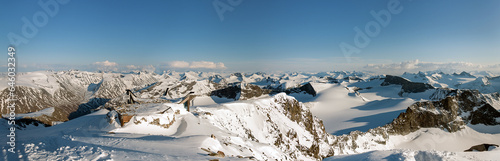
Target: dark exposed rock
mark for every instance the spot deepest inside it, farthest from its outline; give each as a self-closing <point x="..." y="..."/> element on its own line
<point x="481" y="147"/>
<point x="238" y="92"/>
<point x="353" y="78"/>
<point x="307" y="88"/>
<point x="228" y="92"/>
<point x="331" y="80"/>
<point x="464" y="74"/>
<point x="250" y="91"/>
<point x="450" y="114"/>
<point x="24" y="122"/>
<point x="484" y="115"/>
<point x="88" y="107"/>
<point x="407" y="86"/>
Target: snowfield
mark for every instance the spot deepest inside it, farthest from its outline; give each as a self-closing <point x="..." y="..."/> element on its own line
<point x="416" y="155"/>
<point x="344" y="118"/>
<point x="435" y="145"/>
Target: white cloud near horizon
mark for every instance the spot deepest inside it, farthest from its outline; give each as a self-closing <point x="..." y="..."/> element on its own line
<point x="106" y="65"/>
<point x="196" y="65"/>
<point x="416" y="66"/>
<point x="115" y="67"/>
<point x="148" y="68"/>
<point x="131" y="67"/>
<point x="314" y="65"/>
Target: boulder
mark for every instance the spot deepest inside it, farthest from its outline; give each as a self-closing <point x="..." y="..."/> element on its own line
<point x="480" y="147"/>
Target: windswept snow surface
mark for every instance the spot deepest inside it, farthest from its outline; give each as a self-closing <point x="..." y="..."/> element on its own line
<point x="433" y="144"/>
<point x="437" y="139"/>
<point x="344" y="110"/>
<point x="88" y="138"/>
<point x="168" y="132"/>
<point x="417" y="155"/>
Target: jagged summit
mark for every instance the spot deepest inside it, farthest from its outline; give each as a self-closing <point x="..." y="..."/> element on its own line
<point x="464" y="74"/>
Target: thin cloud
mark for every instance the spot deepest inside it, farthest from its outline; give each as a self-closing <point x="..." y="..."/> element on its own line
<point x="148" y="68"/>
<point x="179" y="64"/>
<point x="416" y="65"/>
<point x="196" y="65"/>
<point x="106" y="66"/>
<point x="130" y="67"/>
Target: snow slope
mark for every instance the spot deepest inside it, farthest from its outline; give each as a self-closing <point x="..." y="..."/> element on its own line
<point x="343" y="110"/>
<point x="433" y="144"/>
<point x="277" y="127"/>
<point x="416" y="155"/>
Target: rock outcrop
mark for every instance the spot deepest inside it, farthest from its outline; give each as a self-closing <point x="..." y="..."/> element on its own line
<point x="481" y="147"/>
<point x="450" y="113"/>
<point x="406" y="85"/>
<point x="307" y="88"/>
<point x="231" y="92"/>
<point x="464" y="74"/>
<point x="238" y="91"/>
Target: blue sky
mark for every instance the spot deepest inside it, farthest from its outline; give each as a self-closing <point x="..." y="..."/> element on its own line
<point x="257" y="35"/>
